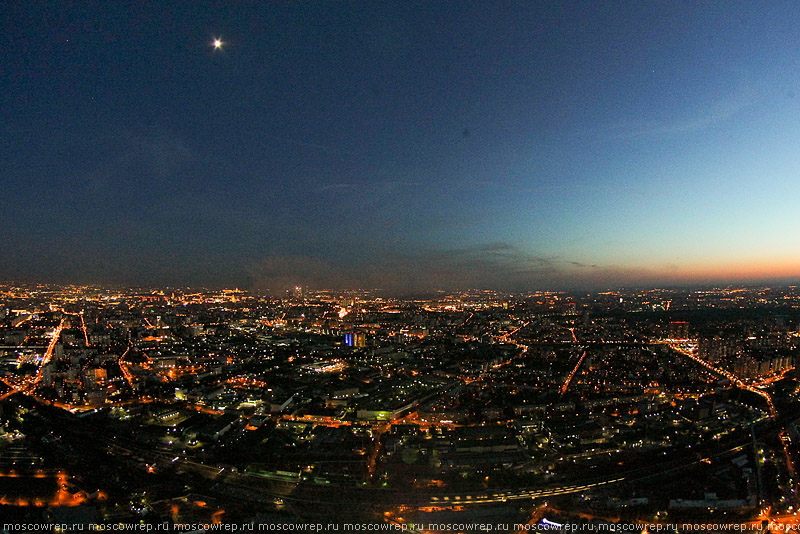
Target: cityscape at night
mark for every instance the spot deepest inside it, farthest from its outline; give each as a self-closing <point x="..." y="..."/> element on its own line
<point x="478" y="407"/>
<point x="427" y="267"/>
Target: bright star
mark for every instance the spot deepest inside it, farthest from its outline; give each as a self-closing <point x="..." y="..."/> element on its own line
<point x="217" y="43"/>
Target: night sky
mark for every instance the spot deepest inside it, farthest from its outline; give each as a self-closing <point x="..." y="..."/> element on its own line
<point x="402" y="145"/>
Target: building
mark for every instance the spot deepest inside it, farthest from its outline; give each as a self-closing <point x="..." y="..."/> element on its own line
<point x="355" y="339"/>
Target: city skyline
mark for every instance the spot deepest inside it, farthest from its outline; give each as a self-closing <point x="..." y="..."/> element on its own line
<point x="406" y="147"/>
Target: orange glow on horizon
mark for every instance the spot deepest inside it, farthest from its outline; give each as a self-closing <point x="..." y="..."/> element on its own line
<point x="750" y="270"/>
<point x="706" y="270"/>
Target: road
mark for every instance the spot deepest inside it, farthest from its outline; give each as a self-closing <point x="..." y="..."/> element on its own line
<point x="564" y="388"/>
<point x="28" y="384"/>
<point x="681" y="349"/>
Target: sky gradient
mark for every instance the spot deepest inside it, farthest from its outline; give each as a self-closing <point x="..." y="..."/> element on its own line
<point x="408" y="146"/>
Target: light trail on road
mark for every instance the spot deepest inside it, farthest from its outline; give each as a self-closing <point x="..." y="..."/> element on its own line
<point x="124" y="368"/>
<point x="83" y="327"/>
<point x="574" y="337"/>
<point x="505" y="337"/>
<point x="48" y="355"/>
<point x="572" y="374"/>
<point x="678" y="347"/>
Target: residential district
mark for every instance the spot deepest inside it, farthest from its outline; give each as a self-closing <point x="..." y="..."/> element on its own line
<point x="544" y="409"/>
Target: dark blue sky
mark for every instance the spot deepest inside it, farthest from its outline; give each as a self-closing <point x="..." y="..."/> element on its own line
<point x="528" y="145"/>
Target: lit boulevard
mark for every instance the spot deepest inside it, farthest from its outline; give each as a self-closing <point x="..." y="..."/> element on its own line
<point x="682" y="348"/>
<point x="572" y="373"/>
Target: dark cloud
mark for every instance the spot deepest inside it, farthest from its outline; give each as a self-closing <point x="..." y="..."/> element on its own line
<point x="500" y="266"/>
